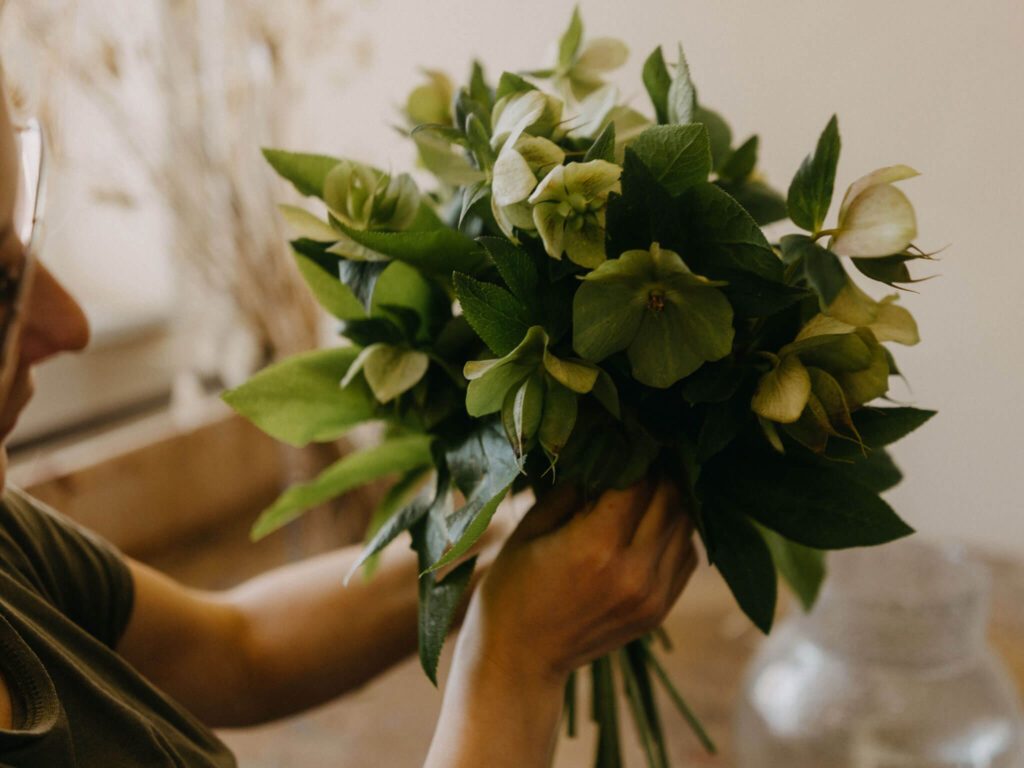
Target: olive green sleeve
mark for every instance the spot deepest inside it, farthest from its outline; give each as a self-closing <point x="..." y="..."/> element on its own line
<point x="82" y="575"/>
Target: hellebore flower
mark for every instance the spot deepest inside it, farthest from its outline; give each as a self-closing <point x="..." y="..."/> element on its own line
<point x="669" y="320"/>
<point x="569" y="210"/>
<point x="831" y="369"/>
<point x="431" y="102"/>
<point x="600" y="109"/>
<point x="364" y="198"/>
<point x="875" y="219"/>
<point x="533" y="112"/>
<point x="536" y="393"/>
<point x="580" y="69"/>
<point x="521" y="162"/>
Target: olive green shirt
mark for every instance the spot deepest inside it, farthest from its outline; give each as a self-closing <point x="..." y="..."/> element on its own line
<point x="65" y="600"/>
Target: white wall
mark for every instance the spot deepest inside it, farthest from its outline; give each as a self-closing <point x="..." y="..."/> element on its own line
<point x="931" y="83"/>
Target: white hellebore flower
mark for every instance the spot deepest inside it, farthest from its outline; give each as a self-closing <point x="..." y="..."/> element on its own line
<point x="569" y="210"/>
<point x="875" y="219"/>
<point x="534" y="112"/>
<point x="521" y="162"/>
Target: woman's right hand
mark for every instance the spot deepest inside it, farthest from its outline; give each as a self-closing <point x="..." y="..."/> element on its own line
<point x="569" y="586"/>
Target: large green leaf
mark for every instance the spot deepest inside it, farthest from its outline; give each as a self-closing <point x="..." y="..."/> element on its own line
<point x="810" y="193"/>
<point x="741" y="162"/>
<point x="439" y="602"/>
<point x="307" y="172"/>
<point x="516" y="267"/>
<point x="495" y="314"/>
<point x="435" y="251"/>
<point x="320" y="271"/>
<point x="678" y="156"/>
<point x="682" y="94"/>
<point x="802" y="567"/>
<point x="483" y="466"/>
<point x="300" y="400"/>
<point x="879" y="427"/>
<point x="814" y="505"/>
<point x="398" y="454"/>
<point x="739" y="552"/>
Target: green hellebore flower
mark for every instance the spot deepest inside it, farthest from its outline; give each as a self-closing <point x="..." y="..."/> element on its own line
<point x="569" y="210"/>
<point x="669" y="320"/>
<point x="364" y="198"/>
<point x="855" y="309"/>
<point x="816" y="382"/>
<point x="536" y="392"/>
<point x="431" y="102"/>
<point x="389" y="370"/>
<point x="875" y="219"/>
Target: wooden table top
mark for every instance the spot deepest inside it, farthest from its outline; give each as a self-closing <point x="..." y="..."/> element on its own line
<point x="389" y="723"/>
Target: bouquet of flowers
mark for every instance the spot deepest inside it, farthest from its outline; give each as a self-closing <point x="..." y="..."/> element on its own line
<point x="584" y="294"/>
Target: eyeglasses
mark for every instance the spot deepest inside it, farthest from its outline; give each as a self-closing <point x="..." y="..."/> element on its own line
<point x="17" y="263"/>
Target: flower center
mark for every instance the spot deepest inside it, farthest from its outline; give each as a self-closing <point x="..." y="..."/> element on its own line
<point x="656" y="300"/>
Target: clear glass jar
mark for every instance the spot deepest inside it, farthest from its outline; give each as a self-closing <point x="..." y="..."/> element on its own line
<point x="891" y="669"/>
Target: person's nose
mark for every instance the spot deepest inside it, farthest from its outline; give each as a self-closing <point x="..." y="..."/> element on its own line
<point x="53" y="322"/>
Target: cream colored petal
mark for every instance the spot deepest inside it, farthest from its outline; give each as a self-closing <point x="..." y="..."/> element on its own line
<point x="551" y="226"/>
<point x="551" y="188"/>
<point x="595" y="110"/>
<point x="514" y="112"/>
<point x="853" y="307"/>
<point x="541" y="154"/>
<point x="601" y="54"/>
<point x="782" y="393"/>
<point x="520" y="215"/>
<point x="513" y="181"/>
<point x="879" y="222"/>
<point x="895" y="323"/>
<point x="592" y="179"/>
<point x="503" y="220"/>
<point x="474" y="369"/>
<point x="887" y="175"/>
<point x="822" y="325"/>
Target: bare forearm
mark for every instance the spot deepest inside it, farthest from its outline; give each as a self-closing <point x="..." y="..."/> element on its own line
<point x="309" y="638"/>
<point x="494" y="713"/>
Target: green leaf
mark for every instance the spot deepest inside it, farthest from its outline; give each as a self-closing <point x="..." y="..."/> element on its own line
<point x="810" y="193"/>
<point x="719" y="134"/>
<point x="824" y="272"/>
<point x="891" y="270"/>
<point x="391" y="371"/>
<point x="399" y="454"/>
<point x="876" y="471"/>
<point x="495" y="314"/>
<point x="405" y="287"/>
<point x="516" y="268"/>
<point x="742" y="557"/>
<point x="678" y="156"/>
<point x="439" y="602"/>
<point x="306" y="172"/>
<point x="299" y="400"/>
<point x="321" y="276"/>
<point x="510" y="83"/>
<point x="802" y="567"/>
<point x="360" y="277"/>
<point x="435" y="251"/>
<point x="814" y="505"/>
<point x="722" y="422"/>
<point x="561" y="407"/>
<point x="682" y="95"/>
<point x="741" y="162"/>
<point x="879" y="427"/>
<point x="392" y="517"/>
<point x="603" y="147"/>
<point x="570" y="41"/>
<point x="472" y="534"/>
<point x="483" y="466"/>
<point x="764" y="204"/>
<point x="657" y="81"/>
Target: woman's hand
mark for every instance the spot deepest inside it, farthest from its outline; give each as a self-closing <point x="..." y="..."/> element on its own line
<point x="568" y="587"/>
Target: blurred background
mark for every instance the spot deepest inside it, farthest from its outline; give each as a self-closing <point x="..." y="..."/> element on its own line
<point x="161" y="211"/>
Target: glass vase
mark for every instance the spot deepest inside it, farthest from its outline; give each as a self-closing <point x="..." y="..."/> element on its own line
<point x="891" y="669"/>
